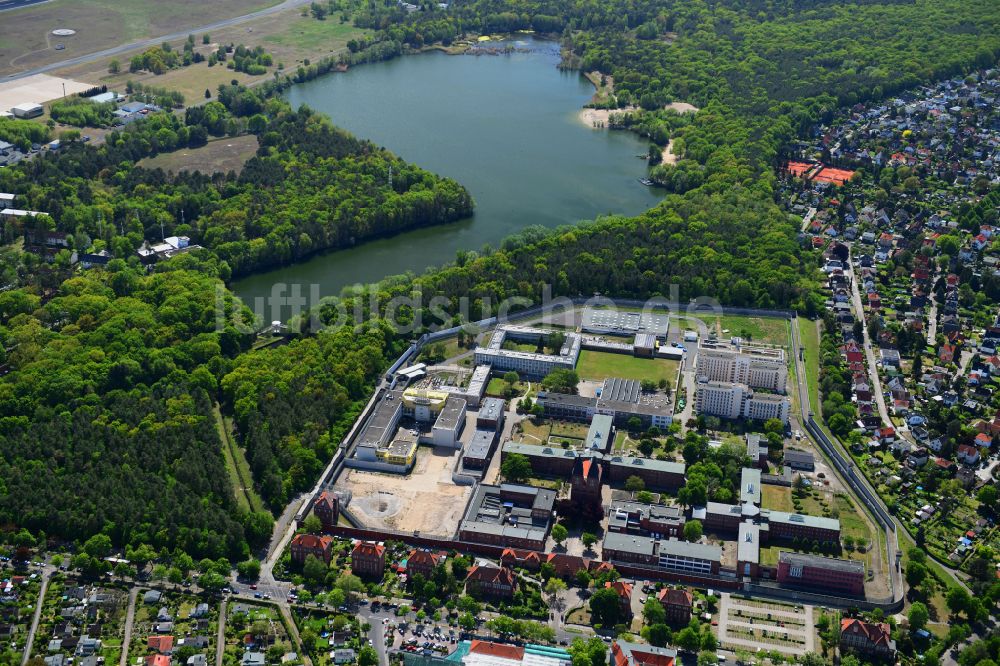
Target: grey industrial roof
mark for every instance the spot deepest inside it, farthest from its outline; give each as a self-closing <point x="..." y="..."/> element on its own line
<point x="648" y="463"/>
<point x="539" y="451"/>
<point x="630" y="543"/>
<point x="750" y="485"/>
<point x="802" y="457"/>
<point x="480" y="444"/>
<point x="624" y="390"/>
<point x="698" y="551"/>
<point x="748" y="543"/>
<point x="599" y="433"/>
<point x="491" y="408"/>
<point x="801" y="519"/>
<point x="451" y="413"/>
<point x="819" y="562"/>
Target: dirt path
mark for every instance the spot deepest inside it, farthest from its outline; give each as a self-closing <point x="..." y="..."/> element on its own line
<point x="129" y="621"/>
<point x="34" y="620"/>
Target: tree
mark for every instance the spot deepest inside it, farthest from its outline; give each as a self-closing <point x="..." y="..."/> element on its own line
<point x="918" y="616"/>
<point x="314" y="569"/>
<point x="692" y="530"/>
<point x="554" y="586"/>
<point x="249" y="569"/>
<point x="634" y="424"/>
<point x="367" y="656"/>
<point x="588" y="539"/>
<point x="583" y="578"/>
<point x="916" y="573"/>
<point x="312" y="524"/>
<point x="634" y="483"/>
<point x="707" y="658"/>
<point x="688" y="640"/>
<point x="208" y="94"/>
<point x="659" y="635"/>
<point x="511" y="378"/>
<point x="958" y="600"/>
<point x="605" y="607"/>
<point x="114" y="66"/>
<point x="561" y="380"/>
<point x="350" y="585"/>
<point x="559" y="533"/>
<point x="653" y="611"/>
<point x="515" y="467"/>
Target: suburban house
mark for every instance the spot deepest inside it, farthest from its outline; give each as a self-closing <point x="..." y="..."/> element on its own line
<point x="678" y="604"/>
<point x="868" y="638"/>
<point x="368" y="560"/>
<point x="490" y="581"/>
<point x="304" y="545"/>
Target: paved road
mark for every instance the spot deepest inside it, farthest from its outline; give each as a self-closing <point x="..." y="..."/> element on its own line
<point x="6" y="5"/>
<point x="154" y="41"/>
<point x="35" y="619"/>
<point x="220" y="637"/>
<point x="129" y="621"/>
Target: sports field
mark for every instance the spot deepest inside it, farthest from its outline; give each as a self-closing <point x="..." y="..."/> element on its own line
<point x="598" y="366"/>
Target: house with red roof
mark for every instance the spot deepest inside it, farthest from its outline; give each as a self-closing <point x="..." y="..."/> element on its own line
<point x="678" y="604"/>
<point x="158" y="660"/>
<point x="969" y="454"/>
<point x="304" y="545"/>
<point x="327" y="509"/>
<point x="489" y="581"/>
<point x="161" y="644"/>
<point x="368" y="560"/>
<point x="947" y="353"/>
<point x="867" y="638"/>
<point x="624" y="653"/>
<point x="567" y="565"/>
<point x="423" y="562"/>
<point x="528" y="559"/>
<point x="624" y="591"/>
<point x="496" y="650"/>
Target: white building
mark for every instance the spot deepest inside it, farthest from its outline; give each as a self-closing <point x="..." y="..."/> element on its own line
<point x="756" y="366"/>
<point x="27" y="110"/>
<point x="528" y="363"/>
<point x="729" y="400"/>
<point x="449" y="423"/>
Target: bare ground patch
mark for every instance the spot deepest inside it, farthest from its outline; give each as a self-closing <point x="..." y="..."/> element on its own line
<point x="220" y="155"/>
<point x="426" y="500"/>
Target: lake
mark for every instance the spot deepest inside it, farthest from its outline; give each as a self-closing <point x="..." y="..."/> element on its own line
<point x="507" y="127"/>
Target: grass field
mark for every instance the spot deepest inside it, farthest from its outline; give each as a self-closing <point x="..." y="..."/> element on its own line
<point x="100" y="24"/>
<point x="809" y="339"/>
<point x="778" y="498"/>
<point x="598" y="366"/>
<point x="237" y="467"/>
<point x="219" y="155"/>
<point x="769" y="330"/>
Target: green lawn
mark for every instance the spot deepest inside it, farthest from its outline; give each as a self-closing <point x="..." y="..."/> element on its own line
<point x="809" y="339"/>
<point x="778" y="498"/>
<point x="769" y="330"/>
<point x="598" y="366"/>
<point x="308" y="34"/>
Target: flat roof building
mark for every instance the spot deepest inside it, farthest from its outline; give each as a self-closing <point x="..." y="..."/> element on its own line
<point x="757" y="366"/>
<point x="624" y="323"/>
<point x="823" y="574"/>
<point x="528" y="363"/>
<point x="449" y="422"/>
<point x="750" y="486"/>
<point x="510" y="515"/>
<point x="599" y="435"/>
<point x="479" y="449"/>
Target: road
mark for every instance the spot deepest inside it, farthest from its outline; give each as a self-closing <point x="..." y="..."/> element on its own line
<point x="154" y="41"/>
<point x="870" y="360"/>
<point x="36" y="618"/>
<point x="220" y="637"/>
<point x="7" y="5"/>
<point x="129" y="621"/>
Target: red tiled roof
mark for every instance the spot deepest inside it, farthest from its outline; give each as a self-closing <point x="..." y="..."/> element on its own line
<point x="160" y="643"/>
<point x="157" y="660"/>
<point x="676" y="597"/>
<point x="497" y="650"/>
<point x="312" y="541"/>
<point x="876" y="632"/>
<point x="623" y="589"/>
<point x="368" y="549"/>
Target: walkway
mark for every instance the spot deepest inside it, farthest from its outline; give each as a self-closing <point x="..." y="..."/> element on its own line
<point x="129" y="621"/>
<point x="34" y="620"/>
<point x="220" y="637"/>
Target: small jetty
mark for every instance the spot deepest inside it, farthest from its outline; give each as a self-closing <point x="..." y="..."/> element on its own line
<point x="647" y="182"/>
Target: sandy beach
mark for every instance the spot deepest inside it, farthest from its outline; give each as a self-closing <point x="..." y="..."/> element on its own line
<point x="598" y="118"/>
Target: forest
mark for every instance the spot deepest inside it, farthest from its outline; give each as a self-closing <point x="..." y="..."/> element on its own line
<point x="310" y="187"/>
<point x="114" y="377"/>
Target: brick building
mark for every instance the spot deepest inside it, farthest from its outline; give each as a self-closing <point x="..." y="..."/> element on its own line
<point x="585" y="492"/>
<point x="867" y="638"/>
<point x="823" y="574"/>
<point x="368" y="560"/>
<point x="488" y="581"/>
<point x="304" y="545"/>
<point x="422" y="562"/>
<point x="678" y="605"/>
<point x="327" y="509"/>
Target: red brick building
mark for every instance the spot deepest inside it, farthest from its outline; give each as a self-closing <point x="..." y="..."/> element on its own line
<point x="528" y="559"/>
<point x="638" y="654"/>
<point x="422" y="562"/>
<point x="823" y="574"/>
<point x="368" y="560"/>
<point x="624" y="591"/>
<point x="678" y="605"/>
<point x="327" y="509"/>
<point x="867" y="638"/>
<point x="304" y="545"/>
<point x="566" y="565"/>
<point x="585" y="490"/>
<point x="490" y="581"/>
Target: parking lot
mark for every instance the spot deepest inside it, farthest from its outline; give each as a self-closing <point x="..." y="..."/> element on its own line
<point x="752" y="624"/>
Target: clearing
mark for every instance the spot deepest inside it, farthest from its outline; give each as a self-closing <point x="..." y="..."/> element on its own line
<point x="39" y="89"/>
<point x="217" y="155"/>
<point x="100" y="24"/>
<point x="598" y="366"/>
<point x="425" y="500"/>
<point x="769" y="330"/>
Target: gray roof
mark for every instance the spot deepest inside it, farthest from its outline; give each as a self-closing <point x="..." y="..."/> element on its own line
<point x="750" y="485"/>
<point x="697" y="551"/>
<point x="801" y="519"/>
<point x="599" y="433"/>
<point x="451" y="413"/>
<point x="491" y="408"/>
<point x="799" y="457"/>
<point x="479" y="446"/>
<point x="748" y="543"/>
<point x="630" y="543"/>
<point x="819" y="562"/>
<point x="649" y="463"/>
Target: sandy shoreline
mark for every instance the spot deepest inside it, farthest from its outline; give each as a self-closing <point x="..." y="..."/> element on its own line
<point x="598" y="118"/>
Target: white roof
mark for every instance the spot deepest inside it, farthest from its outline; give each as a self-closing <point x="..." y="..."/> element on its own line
<point x="25" y="106"/>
